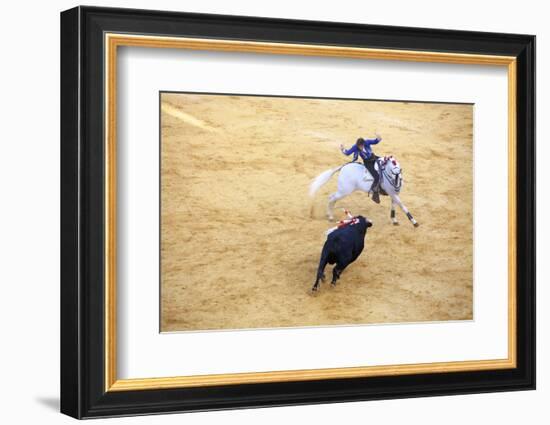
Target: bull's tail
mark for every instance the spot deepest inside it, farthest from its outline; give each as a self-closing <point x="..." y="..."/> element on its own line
<point x="321" y="180"/>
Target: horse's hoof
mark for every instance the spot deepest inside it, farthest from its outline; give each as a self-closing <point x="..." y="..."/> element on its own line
<point x="395" y="223"/>
<point x="416" y="224"/>
<point x="333" y="284"/>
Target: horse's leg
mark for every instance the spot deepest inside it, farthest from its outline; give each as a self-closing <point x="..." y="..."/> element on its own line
<point x="396" y="199"/>
<point x="331" y="201"/>
<point x="392" y="213"/>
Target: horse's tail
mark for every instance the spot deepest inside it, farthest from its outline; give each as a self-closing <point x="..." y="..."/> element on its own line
<point x="322" y="179"/>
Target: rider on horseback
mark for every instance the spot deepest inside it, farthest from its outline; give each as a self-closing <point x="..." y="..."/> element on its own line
<point x="363" y="149"/>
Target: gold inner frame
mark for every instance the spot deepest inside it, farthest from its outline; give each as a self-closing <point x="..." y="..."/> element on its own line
<point x="113" y="41"/>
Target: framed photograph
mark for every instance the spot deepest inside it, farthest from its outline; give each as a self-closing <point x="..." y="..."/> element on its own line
<point x="260" y="212"/>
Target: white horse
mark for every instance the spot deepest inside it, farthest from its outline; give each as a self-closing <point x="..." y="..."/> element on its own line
<point x="354" y="176"/>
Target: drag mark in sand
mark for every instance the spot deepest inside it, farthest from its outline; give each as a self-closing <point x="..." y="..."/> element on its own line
<point x="187" y="118"/>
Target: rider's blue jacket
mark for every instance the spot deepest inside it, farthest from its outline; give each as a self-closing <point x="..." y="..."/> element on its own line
<point x="365" y="153"/>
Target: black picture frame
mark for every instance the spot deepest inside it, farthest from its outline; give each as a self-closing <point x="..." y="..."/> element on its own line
<point x="83" y="392"/>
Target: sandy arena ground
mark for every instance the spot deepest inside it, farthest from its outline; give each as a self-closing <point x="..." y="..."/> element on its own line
<point x="239" y="248"/>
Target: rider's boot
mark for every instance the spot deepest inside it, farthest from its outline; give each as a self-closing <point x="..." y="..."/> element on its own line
<point x="376" y="190"/>
<point x="376" y="196"/>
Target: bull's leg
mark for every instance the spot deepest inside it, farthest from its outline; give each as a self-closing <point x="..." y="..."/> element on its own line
<point x="341" y="264"/>
<point x="336" y="272"/>
<point x="321" y="270"/>
<point x="331" y="201"/>
<point x="405" y="210"/>
<point x="320" y="278"/>
<point x="392" y="213"/>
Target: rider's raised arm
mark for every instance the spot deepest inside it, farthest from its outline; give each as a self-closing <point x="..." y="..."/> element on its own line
<point x="349" y="151"/>
<point x="373" y="141"/>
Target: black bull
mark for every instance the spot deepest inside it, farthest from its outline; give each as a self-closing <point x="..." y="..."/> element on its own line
<point x="342" y="248"/>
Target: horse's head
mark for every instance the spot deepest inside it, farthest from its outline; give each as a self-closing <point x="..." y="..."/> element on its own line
<point x="390" y="164"/>
<point x="393" y="171"/>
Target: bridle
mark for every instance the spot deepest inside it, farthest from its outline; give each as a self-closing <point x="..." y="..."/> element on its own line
<point x="393" y="179"/>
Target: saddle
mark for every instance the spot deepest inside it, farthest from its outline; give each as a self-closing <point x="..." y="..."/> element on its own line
<point x="378" y="166"/>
